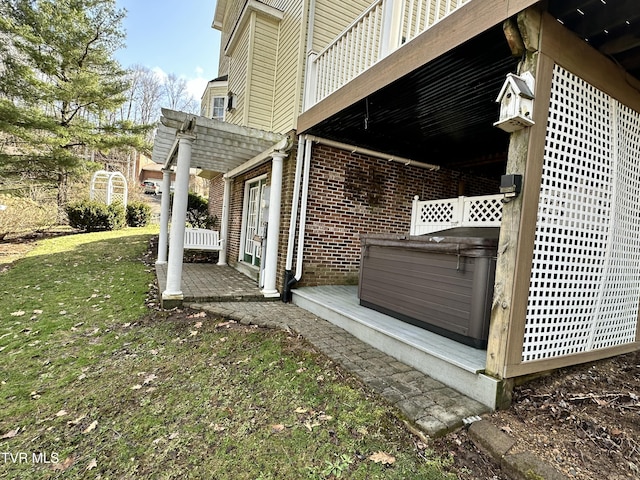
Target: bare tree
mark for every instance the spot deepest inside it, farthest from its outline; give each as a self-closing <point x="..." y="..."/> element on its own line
<point x="149" y="96"/>
<point x="177" y="96"/>
<point x="144" y="96"/>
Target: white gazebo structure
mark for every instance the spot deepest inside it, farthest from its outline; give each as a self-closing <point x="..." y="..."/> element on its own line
<point x="109" y="187"/>
<point x="185" y="141"/>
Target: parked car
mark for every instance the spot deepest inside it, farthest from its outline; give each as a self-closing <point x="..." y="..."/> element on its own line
<point x="149" y="186"/>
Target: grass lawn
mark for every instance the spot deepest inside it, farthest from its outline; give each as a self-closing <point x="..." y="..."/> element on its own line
<point x="93" y="384"/>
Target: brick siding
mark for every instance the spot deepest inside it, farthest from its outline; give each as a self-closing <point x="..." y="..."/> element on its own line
<point x="216" y="197"/>
<point x="352" y="194"/>
<point x="349" y="195"/>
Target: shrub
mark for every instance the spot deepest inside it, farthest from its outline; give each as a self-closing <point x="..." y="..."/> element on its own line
<point x="138" y="214"/>
<point x="22" y="214"/>
<point x="91" y="216"/>
<point x="198" y="212"/>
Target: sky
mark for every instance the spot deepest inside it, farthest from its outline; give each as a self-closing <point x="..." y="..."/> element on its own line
<point x="172" y="36"/>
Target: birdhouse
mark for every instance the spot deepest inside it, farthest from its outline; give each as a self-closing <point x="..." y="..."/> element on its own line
<point x="516" y="102"/>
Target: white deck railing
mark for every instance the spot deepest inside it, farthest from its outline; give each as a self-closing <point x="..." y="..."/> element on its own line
<point x="433" y="215"/>
<point x="381" y="29"/>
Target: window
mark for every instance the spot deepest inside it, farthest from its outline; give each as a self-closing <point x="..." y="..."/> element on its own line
<point x="217" y="108"/>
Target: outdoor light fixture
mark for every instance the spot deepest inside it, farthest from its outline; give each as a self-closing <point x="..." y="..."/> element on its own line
<point x="231" y="101"/>
<point x="510" y="186"/>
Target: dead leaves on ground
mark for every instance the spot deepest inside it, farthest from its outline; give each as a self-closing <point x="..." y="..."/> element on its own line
<point x="91" y="427"/>
<point x="383" y="458"/>
<point x="278" y="428"/>
<point x="148" y="379"/>
<point x="10" y="434"/>
<point x="310" y="418"/>
<point x="64" y="465"/>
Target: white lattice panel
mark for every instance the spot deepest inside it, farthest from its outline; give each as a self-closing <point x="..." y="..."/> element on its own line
<point x="432" y="215"/>
<point x="440" y="211"/>
<point x="479" y="211"/>
<point x="585" y="278"/>
<point x="618" y="307"/>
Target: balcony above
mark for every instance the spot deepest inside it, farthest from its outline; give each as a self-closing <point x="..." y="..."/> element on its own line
<point x="382" y="28"/>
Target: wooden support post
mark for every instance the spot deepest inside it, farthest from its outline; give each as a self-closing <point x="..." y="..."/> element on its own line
<point x="511" y="286"/>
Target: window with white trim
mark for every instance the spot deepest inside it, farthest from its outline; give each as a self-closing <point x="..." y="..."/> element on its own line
<point x="217" y="108"/>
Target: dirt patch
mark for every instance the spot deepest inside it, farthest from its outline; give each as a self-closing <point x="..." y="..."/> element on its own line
<point x="14" y="247"/>
<point x="583" y="420"/>
<point x="10" y="252"/>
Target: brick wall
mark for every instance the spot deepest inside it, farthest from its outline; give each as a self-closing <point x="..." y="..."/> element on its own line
<point x="216" y="194"/>
<point x="216" y="197"/>
<point x="349" y="195"/>
<point x="352" y="194"/>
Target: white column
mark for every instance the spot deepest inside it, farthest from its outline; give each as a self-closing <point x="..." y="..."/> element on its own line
<point x="273" y="226"/>
<point x="173" y="290"/>
<point x="224" y="222"/>
<point x="391" y="26"/>
<point x="163" y="239"/>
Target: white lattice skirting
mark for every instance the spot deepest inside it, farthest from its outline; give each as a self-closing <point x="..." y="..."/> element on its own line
<point x="585" y="278"/>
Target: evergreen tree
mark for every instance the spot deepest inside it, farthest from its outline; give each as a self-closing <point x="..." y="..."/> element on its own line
<point x="59" y="89"/>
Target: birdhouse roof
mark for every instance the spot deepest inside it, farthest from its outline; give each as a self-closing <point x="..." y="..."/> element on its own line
<point x="518" y="85"/>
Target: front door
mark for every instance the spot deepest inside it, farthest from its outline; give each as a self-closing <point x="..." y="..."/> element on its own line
<point x="253" y="222"/>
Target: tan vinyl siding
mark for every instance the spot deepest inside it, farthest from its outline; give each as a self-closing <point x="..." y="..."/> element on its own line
<point x="214" y="89"/>
<point x="289" y="88"/>
<point x="231" y="16"/>
<point x="263" y="64"/>
<point x="223" y="63"/>
<point x="276" y="69"/>
<point x="333" y="17"/>
<point x="238" y="63"/>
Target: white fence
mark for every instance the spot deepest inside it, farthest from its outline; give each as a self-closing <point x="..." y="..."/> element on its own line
<point x="381" y="29"/>
<point x="433" y="215"/>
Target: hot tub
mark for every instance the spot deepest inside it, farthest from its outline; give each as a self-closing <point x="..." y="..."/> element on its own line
<point x="442" y="281"/>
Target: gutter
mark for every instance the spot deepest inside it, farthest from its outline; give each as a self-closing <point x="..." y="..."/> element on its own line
<point x="373" y="153"/>
<point x="305" y="144"/>
<point x="303" y="157"/>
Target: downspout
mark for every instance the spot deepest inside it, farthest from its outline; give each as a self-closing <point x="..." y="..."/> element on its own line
<point x="304" y="152"/>
<point x="288" y="276"/>
<point x="290" y="280"/>
<point x="311" y="19"/>
<point x="303" y="207"/>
